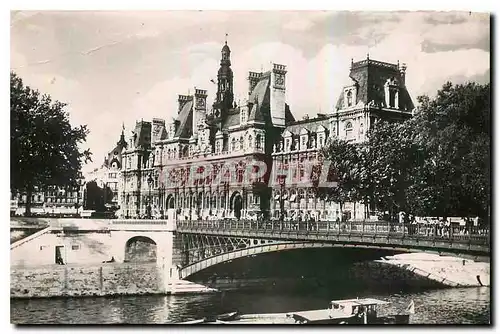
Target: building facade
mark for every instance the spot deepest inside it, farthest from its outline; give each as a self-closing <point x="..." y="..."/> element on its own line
<point x="52" y="200"/>
<point x="108" y="175"/>
<point x="162" y="156"/>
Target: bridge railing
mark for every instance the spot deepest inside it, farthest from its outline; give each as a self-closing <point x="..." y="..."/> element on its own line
<point x="139" y="221"/>
<point x="361" y="228"/>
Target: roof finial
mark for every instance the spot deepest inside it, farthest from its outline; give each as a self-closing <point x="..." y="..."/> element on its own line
<point x="368" y="56"/>
<point x="226" y="39"/>
<point x="123" y="126"/>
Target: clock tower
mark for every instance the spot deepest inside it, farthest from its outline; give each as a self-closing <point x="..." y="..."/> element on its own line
<point x="224" y="99"/>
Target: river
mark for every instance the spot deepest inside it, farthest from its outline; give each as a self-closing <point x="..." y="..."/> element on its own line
<point x="434" y="306"/>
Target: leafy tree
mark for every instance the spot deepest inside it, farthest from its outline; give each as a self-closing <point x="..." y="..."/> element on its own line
<point x="454" y="130"/>
<point x="44" y="145"/>
<point x="345" y="168"/>
<point x="392" y="156"/>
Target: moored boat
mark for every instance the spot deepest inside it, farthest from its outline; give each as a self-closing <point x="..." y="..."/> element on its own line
<point x="347" y="311"/>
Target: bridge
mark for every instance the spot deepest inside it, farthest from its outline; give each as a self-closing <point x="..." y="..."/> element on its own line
<point x="207" y="243"/>
<point x="184" y="248"/>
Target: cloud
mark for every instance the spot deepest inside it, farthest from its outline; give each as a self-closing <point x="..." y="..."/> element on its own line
<point x="298" y="25"/>
<point x="467" y="34"/>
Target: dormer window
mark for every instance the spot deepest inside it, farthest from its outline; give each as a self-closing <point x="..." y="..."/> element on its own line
<point x="350" y="96"/>
<point x="391" y="90"/>
<point x="287" y="144"/>
<point x="320" y="140"/>
<point x="303" y="142"/>
<point x="217" y="147"/>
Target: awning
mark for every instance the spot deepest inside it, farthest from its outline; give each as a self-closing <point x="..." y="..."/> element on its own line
<point x="292" y="198"/>
<point x="277" y="197"/>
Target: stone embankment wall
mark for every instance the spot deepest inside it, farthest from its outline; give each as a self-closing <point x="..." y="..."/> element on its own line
<point x="448" y="271"/>
<point x="78" y="280"/>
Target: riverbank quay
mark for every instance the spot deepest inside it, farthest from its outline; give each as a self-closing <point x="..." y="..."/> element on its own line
<point x="447" y="270"/>
<point x="109" y="279"/>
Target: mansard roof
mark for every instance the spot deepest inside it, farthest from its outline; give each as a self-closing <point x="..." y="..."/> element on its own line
<point x="142" y="133"/>
<point x="260" y="99"/>
<point x="311" y="125"/>
<point x="370" y="77"/>
<point x="232" y="119"/>
<point x="185" y="129"/>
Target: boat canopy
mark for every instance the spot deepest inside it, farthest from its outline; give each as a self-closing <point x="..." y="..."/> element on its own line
<point x="359" y="302"/>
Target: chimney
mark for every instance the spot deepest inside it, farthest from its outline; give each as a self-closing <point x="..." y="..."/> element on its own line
<point x="253" y="79"/>
<point x="278" y="90"/>
<point x="183" y="99"/>
<point x="200" y="108"/>
<point x="200" y="96"/>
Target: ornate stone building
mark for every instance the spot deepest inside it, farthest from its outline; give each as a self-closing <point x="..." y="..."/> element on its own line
<point x="161" y="154"/>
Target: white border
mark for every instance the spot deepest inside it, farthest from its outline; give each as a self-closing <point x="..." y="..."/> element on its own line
<point x="477" y="6"/>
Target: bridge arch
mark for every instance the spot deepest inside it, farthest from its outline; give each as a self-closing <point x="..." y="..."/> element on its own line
<point x="270" y="246"/>
<point x="141" y="248"/>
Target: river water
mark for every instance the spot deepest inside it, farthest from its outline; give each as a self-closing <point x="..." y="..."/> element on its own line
<point x="435" y="306"/>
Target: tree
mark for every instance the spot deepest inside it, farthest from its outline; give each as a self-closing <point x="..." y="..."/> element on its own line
<point x="44" y="145"/>
<point x="454" y="130"/>
<point x="97" y="197"/>
<point x="392" y="157"/>
<point x="345" y="168"/>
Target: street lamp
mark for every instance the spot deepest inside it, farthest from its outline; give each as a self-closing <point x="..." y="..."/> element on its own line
<point x="150" y="183"/>
<point x="282" y="201"/>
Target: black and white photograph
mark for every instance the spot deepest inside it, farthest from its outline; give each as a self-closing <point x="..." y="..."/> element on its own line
<point x="241" y="167"/>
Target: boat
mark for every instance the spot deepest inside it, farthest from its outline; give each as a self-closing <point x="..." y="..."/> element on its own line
<point x="346" y="311"/>
<point x="227" y="316"/>
<point x="192" y="322"/>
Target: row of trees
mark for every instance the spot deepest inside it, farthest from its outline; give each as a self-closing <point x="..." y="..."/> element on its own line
<point x="43" y="145"/>
<point x="435" y="164"/>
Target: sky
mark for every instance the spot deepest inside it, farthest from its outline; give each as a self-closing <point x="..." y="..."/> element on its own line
<point x="115" y="68"/>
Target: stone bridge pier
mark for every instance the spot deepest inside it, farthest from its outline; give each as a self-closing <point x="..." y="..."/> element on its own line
<point x="161" y="233"/>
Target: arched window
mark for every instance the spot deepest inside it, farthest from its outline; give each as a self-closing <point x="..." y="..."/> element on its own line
<point x="207" y="200"/>
<point x="250" y="141"/>
<point x="257" y="141"/>
<point x="233" y="144"/>
<point x="241" y="143"/>
<point x="348" y="130"/>
<point x="217" y="146"/>
<point x="213" y="201"/>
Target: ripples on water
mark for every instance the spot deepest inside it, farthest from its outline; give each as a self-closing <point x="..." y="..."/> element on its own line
<point x="447" y="306"/>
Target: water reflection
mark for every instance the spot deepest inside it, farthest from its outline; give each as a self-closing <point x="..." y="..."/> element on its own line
<point x="449" y="306"/>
